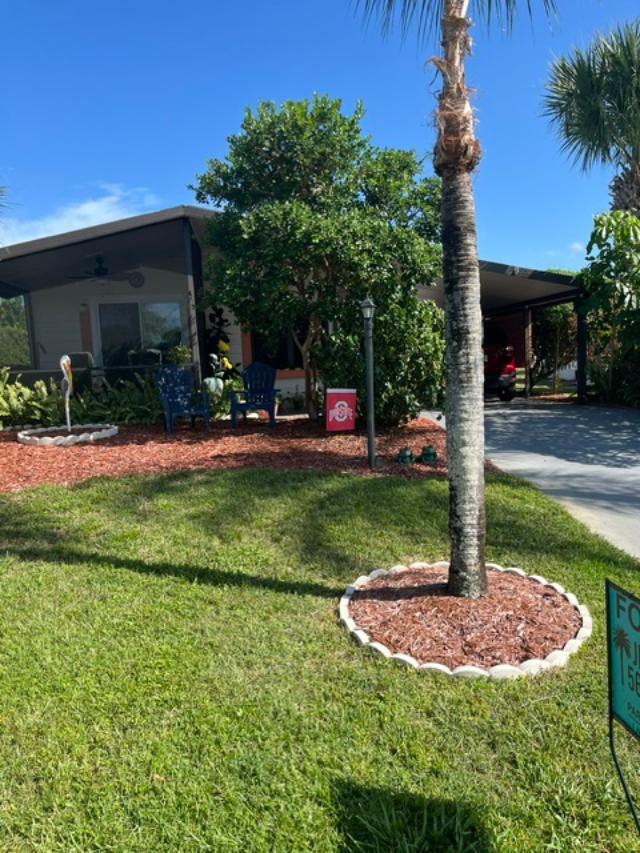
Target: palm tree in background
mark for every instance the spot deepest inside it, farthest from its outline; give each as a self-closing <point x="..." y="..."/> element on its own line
<point x="455" y="157"/>
<point x="593" y="100"/>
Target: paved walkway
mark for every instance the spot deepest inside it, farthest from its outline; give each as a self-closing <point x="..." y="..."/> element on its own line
<point x="586" y="457"/>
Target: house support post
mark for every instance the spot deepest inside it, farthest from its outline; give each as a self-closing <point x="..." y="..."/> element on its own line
<point x="193" y="271"/>
<point x="581" y="372"/>
<point x="31" y="334"/>
<point x="527" y="350"/>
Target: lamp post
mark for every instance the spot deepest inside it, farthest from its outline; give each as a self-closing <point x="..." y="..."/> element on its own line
<point x="368" y="309"/>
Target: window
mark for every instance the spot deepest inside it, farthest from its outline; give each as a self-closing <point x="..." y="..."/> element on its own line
<point x="128" y="329"/>
<point x="284" y="355"/>
<point x="161" y="325"/>
<point x="14" y="334"/>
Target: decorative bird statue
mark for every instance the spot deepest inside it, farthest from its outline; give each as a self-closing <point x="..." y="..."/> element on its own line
<point x="66" y="386"/>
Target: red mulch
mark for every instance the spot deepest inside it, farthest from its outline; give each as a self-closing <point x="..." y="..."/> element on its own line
<point x="293" y="444"/>
<point x="411" y="613"/>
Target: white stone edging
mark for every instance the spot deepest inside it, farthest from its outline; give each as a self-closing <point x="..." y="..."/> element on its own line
<point x="554" y="660"/>
<point x="39" y="438"/>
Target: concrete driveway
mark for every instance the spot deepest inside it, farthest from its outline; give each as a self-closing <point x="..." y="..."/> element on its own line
<point x="586" y="457"/>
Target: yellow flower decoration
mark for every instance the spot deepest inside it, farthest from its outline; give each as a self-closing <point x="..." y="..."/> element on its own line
<point x="223" y="346"/>
<point x="226" y="363"/>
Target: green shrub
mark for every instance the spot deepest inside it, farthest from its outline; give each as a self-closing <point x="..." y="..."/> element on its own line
<point x="611" y="284"/>
<point x="180" y="354"/>
<point x="40" y="405"/>
<point x="408" y="341"/>
<point x="14" y="338"/>
<point x="130" y="401"/>
<point x="127" y="402"/>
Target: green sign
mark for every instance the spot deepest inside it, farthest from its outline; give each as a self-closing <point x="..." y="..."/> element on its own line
<point x="623" y="654"/>
<point x="623" y="644"/>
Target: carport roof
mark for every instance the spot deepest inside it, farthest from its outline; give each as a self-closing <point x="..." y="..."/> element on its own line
<point x="505" y="289"/>
<point x="29" y="266"/>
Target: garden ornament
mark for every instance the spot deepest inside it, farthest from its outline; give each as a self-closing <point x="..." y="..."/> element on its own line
<point x="49" y="437"/>
<point x="405" y="457"/>
<point x="428" y="455"/>
<point x="66" y="387"/>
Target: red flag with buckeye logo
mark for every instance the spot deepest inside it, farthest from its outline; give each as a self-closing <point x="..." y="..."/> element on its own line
<point x="340" y="406"/>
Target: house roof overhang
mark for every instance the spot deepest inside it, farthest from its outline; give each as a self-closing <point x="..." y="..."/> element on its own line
<point x="157" y="240"/>
<point x="506" y="289"/>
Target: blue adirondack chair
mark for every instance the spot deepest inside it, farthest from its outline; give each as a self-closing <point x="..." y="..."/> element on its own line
<point x="259" y="395"/>
<point x="179" y="399"/>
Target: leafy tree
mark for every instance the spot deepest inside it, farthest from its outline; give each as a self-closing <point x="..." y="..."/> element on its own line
<point x="456" y="155"/>
<point x="312" y="218"/>
<point x="611" y="283"/>
<point x="14" y="339"/>
<point x="554" y="340"/>
<point x="593" y="100"/>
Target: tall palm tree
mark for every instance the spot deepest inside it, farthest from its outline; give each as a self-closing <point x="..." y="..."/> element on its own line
<point x="456" y="155"/>
<point x="593" y="100"/>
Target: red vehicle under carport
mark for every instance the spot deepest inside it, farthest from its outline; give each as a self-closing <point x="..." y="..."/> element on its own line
<point x="499" y="364"/>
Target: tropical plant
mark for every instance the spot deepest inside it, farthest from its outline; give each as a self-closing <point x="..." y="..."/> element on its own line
<point x="224" y="377"/>
<point x="180" y="354"/>
<point x="456" y="155"/>
<point x="313" y="217"/>
<point x="128" y="401"/>
<point x="611" y="287"/>
<point x="593" y="100"/>
<point x="37" y="405"/>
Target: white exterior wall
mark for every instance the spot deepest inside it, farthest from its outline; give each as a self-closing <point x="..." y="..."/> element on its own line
<point x="56" y="311"/>
<point x="56" y="317"/>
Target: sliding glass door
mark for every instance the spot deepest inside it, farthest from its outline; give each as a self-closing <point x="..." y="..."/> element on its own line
<point x="128" y="330"/>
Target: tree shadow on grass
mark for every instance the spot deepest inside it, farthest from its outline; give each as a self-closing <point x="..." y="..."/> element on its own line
<point x="379" y="820"/>
<point x="333" y="528"/>
<point x="197" y="574"/>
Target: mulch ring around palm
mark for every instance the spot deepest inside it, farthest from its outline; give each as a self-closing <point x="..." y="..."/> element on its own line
<point x="292" y="444"/>
<point x="411" y="613"/>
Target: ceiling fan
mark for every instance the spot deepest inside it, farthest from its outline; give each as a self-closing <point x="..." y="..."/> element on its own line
<point x="100" y="270"/>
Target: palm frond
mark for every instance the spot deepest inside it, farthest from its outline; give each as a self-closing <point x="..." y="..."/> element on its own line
<point x="593" y="100"/>
<point x="425" y="15"/>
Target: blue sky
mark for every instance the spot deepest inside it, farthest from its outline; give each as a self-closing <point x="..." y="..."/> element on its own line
<point x="111" y="108"/>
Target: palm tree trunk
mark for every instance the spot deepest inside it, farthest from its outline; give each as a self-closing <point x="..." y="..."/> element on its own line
<point x="625" y="190"/>
<point x="456" y="155"/>
<point x="465" y="380"/>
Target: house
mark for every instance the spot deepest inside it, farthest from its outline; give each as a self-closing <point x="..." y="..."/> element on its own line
<point x="123" y="293"/>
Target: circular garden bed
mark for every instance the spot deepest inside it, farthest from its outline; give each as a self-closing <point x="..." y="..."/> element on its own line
<point x="522" y="626"/>
<point x="62" y="437"/>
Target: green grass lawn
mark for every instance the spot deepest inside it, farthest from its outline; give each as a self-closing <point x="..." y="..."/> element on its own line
<point x="173" y="676"/>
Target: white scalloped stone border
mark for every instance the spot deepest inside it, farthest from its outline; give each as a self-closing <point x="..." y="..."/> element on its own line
<point x="39" y="438"/>
<point x="554" y="660"/>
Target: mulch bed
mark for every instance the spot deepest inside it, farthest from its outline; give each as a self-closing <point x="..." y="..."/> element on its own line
<point x="293" y="444"/>
<point x="411" y="613"/>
